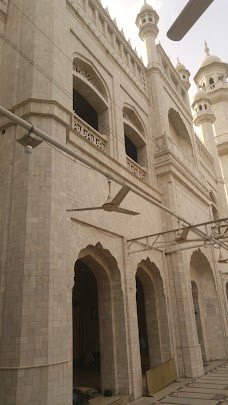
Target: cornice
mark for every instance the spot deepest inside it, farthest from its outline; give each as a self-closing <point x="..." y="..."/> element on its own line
<point x="39" y="107"/>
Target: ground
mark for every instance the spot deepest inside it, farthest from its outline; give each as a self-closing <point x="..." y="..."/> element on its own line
<point x="211" y="389"/>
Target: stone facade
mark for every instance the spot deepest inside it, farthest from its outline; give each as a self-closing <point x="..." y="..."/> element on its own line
<point x="67" y="69"/>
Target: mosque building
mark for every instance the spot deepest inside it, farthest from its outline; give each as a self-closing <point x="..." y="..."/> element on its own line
<point x="94" y="291"/>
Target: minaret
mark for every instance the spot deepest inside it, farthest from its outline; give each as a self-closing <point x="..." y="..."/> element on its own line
<point x="204" y="118"/>
<point x="183" y="73"/>
<point x="147" y="22"/>
<point x="212" y="77"/>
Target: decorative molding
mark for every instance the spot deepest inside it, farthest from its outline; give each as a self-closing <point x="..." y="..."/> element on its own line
<point x="136" y="169"/>
<point x="165" y="144"/>
<point x="88" y="132"/>
<point x="83" y="72"/>
<point x="39" y="107"/>
<point x="129" y="69"/>
<point x="205" y="155"/>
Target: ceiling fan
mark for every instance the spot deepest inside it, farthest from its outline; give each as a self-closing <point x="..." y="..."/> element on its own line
<point x="187" y="18"/>
<point x="112" y="203"/>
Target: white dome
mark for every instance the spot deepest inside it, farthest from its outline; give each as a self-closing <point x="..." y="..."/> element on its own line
<point x="180" y="66"/>
<point x="200" y="95"/>
<point x="208" y="60"/>
<point x="146" y="7"/>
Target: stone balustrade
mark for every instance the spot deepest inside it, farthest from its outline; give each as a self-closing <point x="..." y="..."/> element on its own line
<point x="205" y="155"/>
<point x="165" y="144"/>
<point x="89" y="132"/>
<point x="136" y="169"/>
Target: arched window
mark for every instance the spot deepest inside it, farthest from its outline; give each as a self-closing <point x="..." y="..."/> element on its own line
<point x="179" y="133"/>
<point x="144" y="20"/>
<point x="200" y="107"/>
<point x="90" y="99"/>
<point x="184" y="77"/>
<point x="205" y="106"/>
<point x="134" y="136"/>
<point x="213" y="206"/>
<point x="150" y="19"/>
<point x="214" y="212"/>
<point x="131" y="149"/>
<point x="211" y="82"/>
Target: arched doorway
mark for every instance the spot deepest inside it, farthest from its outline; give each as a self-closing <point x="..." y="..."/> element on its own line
<point x="99" y="328"/>
<point x="155" y="347"/>
<point x="199" y="328"/>
<point x="142" y="325"/>
<point x="86" y="333"/>
<point x="209" y="328"/>
<point x="227" y="291"/>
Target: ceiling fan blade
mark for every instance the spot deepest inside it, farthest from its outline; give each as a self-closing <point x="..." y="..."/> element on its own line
<point x="120" y="195"/>
<point x="124" y="211"/>
<point x="187" y="18"/>
<point x="85" y="209"/>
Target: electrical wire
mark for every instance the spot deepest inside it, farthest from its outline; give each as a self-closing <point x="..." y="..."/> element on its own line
<point x="68" y="157"/>
<point x="69" y="95"/>
<point x="61" y="88"/>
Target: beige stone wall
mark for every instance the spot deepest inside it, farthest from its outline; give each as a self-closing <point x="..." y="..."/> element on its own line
<point x="40" y="242"/>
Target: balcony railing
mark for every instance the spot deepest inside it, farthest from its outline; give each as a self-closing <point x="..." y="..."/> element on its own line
<point x="165" y="144"/>
<point x="205" y="155"/>
<point x="88" y="132"/>
<point x="136" y="169"/>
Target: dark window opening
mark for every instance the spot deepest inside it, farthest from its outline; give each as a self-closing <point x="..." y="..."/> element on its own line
<point x="200" y="107"/>
<point x="84" y="110"/>
<point x="131" y="149"/>
<point x="142" y="325"/>
<point x="211" y="81"/>
<point x="144" y="20"/>
<point x="205" y="105"/>
<point x="203" y="84"/>
<point x="184" y="77"/>
<point x="150" y="19"/>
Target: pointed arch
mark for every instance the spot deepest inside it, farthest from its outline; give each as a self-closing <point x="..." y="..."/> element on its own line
<point x="179" y="133"/>
<point x="90" y="94"/>
<point x="111" y="309"/>
<point x="86" y="68"/>
<point x="134" y="134"/>
<point x="131" y="114"/>
<point x="201" y="273"/>
<point x="214" y="209"/>
<point x="156" y="311"/>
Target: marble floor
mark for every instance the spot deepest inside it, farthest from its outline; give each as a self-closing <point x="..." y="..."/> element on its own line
<point x="211" y="389"/>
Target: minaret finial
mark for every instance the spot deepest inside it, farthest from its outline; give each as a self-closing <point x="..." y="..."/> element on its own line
<point x="207" y="50"/>
<point x="178" y="60"/>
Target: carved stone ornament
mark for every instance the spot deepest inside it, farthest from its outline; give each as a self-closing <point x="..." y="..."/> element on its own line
<point x="83" y="72"/>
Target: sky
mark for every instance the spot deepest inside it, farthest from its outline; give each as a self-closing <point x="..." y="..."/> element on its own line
<point x="212" y="27"/>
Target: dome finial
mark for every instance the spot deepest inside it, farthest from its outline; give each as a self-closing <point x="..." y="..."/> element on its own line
<point x="207" y="50"/>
